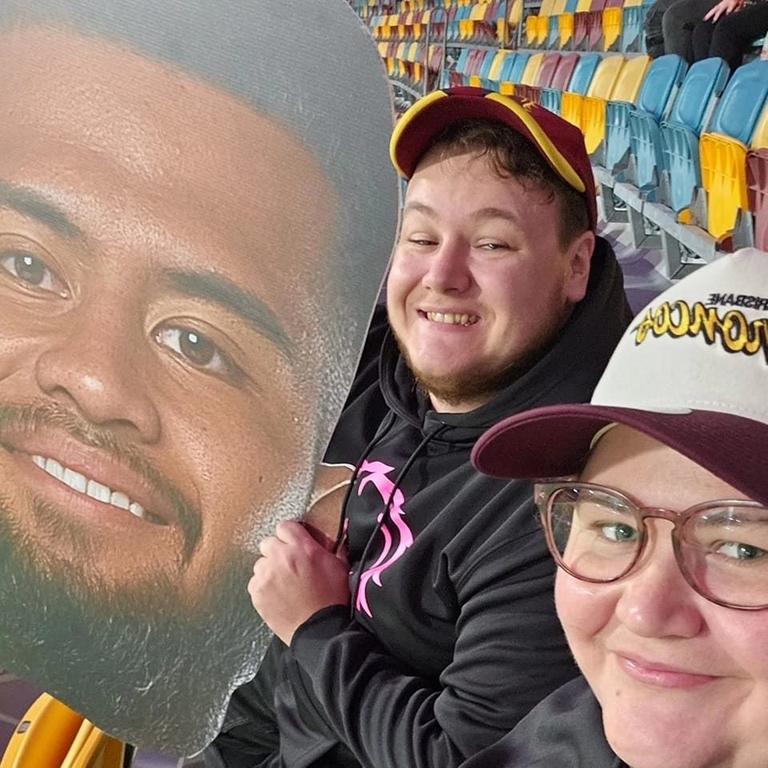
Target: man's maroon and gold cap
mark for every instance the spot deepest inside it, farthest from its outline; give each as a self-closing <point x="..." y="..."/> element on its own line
<point x="560" y="143"/>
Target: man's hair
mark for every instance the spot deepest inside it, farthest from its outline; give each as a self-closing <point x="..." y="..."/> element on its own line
<point x="275" y="56"/>
<point x="511" y="155"/>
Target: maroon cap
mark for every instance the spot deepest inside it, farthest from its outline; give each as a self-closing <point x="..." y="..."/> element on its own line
<point x="554" y="441"/>
<point x="559" y="143"/>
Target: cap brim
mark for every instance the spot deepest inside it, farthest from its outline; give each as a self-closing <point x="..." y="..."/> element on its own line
<point x="554" y="441"/>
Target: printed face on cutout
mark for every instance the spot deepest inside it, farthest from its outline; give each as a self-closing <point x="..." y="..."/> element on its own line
<point x="154" y="400"/>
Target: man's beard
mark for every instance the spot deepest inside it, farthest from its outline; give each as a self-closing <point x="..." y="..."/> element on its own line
<point x="481" y="384"/>
<point x="161" y="681"/>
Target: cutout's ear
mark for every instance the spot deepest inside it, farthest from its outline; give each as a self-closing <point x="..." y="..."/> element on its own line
<point x="324" y="513"/>
<point x="579" y="263"/>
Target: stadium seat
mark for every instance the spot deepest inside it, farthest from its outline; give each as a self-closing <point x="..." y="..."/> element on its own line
<point x="757" y="193"/>
<point x="528" y="76"/>
<point x="578" y="83"/>
<point x="624" y="92"/>
<point x="580" y="24"/>
<point x="565" y="24"/>
<point x="700" y="91"/>
<point x="604" y="79"/>
<point x="513" y="68"/>
<point x="595" y="25"/>
<point x="723" y="148"/>
<point x="543" y="78"/>
<point x="625" y="122"/>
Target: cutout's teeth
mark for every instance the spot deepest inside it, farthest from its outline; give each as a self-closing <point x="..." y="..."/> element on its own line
<point x="98" y="491"/>
<point x="75" y="480"/>
<point x="80" y="483"/>
<point x="53" y="468"/>
<point x="119" y="500"/>
<point x="136" y="509"/>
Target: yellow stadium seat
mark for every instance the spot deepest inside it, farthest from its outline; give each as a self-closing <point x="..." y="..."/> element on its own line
<point x="531" y="69"/>
<point x="724" y="176"/>
<point x="498" y="63"/>
<point x="612" y="23"/>
<point x="625" y="88"/>
<point x="601" y="86"/>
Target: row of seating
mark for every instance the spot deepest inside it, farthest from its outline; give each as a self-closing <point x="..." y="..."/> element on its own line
<point x="460" y="21"/>
<point x="670" y="142"/>
<point x="605" y="25"/>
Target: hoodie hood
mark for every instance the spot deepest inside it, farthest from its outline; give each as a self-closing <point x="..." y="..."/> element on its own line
<point x="571" y="364"/>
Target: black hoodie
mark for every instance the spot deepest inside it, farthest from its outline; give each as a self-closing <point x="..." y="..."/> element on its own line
<point x="564" y="731"/>
<point x="453" y="636"/>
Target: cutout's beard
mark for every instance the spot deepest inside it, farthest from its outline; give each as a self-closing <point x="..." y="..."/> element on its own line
<point x="159" y="678"/>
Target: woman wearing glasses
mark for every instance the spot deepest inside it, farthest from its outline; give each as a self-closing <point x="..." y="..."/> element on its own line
<point x="658" y="519"/>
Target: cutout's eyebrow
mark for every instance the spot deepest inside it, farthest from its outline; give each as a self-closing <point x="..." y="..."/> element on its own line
<point x="31" y="203"/>
<point x="246" y="305"/>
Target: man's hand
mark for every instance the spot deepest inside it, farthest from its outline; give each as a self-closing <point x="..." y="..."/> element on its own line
<point x="724" y="7"/>
<point x="295" y="578"/>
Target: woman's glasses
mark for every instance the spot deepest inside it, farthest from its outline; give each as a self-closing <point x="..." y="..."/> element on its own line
<point x="599" y="534"/>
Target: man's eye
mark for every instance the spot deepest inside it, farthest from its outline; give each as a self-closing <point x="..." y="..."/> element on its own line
<point x="194" y="347"/>
<point x="32" y="271"/>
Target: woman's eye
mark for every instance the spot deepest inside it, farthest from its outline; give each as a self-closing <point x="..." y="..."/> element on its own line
<point x="31" y="270"/>
<point x="737" y="550"/>
<point x="619" y="532"/>
<point x="195" y="348"/>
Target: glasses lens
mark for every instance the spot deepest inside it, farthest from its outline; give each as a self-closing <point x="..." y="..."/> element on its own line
<point x="597" y="535"/>
<point x="725" y="550"/>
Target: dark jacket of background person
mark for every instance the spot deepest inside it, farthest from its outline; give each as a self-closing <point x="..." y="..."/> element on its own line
<point x="669" y="26"/>
<point x="564" y="731"/>
<point x="732" y="34"/>
<point x="462" y="640"/>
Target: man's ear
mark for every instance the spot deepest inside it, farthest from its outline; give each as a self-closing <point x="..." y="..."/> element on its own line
<point x="579" y="262"/>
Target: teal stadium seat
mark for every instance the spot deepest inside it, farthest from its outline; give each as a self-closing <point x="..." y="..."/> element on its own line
<point x="701" y="88"/>
<point x="633" y="138"/>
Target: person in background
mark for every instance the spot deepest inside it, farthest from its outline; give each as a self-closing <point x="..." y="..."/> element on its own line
<point x="669" y="26"/>
<point x="729" y="29"/>
<point x="654" y="503"/>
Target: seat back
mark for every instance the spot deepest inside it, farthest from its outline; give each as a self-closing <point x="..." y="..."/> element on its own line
<point x="547" y="70"/>
<point x="583" y="73"/>
<point x="630" y="79"/>
<point x="605" y="77"/>
<point x="661" y="83"/>
<point x="742" y="102"/>
<point x="703" y="84"/>
<point x="757" y="190"/>
<point x="564" y="71"/>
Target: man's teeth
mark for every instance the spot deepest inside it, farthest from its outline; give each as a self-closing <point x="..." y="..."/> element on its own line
<point x="92" y="488"/>
<point x="452" y="318"/>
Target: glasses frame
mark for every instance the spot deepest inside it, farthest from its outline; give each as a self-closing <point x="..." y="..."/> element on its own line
<point x="544" y="492"/>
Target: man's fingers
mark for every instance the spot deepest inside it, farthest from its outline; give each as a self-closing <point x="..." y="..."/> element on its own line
<point x="292" y="533"/>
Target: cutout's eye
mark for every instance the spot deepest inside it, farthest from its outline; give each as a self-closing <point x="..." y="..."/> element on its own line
<point x="28" y="267"/>
<point x="194" y="347"/>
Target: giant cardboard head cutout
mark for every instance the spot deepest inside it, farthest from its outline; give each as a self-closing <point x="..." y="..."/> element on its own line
<point x="196" y="210"/>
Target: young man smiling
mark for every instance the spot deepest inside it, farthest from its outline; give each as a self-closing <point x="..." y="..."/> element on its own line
<point x="500" y="296"/>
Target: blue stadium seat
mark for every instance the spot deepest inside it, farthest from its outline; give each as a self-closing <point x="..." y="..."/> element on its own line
<point x="701" y="88"/>
<point x="634" y="131"/>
